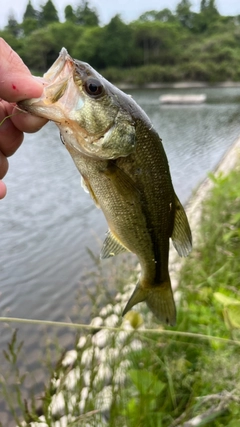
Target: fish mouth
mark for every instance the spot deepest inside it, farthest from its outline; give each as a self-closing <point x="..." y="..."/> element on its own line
<point x="58" y="66"/>
<point x="65" y="101"/>
<point x="58" y="82"/>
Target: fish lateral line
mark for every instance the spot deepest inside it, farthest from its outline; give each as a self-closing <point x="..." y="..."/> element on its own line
<point x="125" y="169"/>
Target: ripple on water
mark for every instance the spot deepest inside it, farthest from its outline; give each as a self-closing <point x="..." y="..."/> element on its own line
<point x="48" y="221"/>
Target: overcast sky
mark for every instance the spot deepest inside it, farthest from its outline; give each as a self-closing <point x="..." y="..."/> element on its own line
<point x="128" y="9"/>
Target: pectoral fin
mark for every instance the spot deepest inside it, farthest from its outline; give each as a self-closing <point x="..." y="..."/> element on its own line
<point x="122" y="183"/>
<point x="158" y="298"/>
<point x="181" y="235"/>
<point x="88" y="189"/>
<point x="111" y="246"/>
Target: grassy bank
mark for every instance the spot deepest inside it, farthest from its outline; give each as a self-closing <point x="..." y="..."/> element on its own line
<point x="190" y="378"/>
<point x="200" y="377"/>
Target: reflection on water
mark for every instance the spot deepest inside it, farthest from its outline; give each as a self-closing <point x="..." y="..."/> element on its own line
<point x="48" y="222"/>
<point x="194" y="136"/>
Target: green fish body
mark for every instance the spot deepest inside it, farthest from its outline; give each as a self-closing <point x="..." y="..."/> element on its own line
<point x="124" y="168"/>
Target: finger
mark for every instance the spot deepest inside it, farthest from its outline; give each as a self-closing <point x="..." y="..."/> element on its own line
<point x="3" y="190"/>
<point x="26" y="122"/>
<point x="3" y="165"/>
<point x="16" y="81"/>
<point x="10" y="137"/>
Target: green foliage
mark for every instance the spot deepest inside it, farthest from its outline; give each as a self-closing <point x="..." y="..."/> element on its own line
<point x="141" y="407"/>
<point x="231" y="311"/>
<point x="184" y="13"/>
<point x="16" y="43"/>
<point x="86" y="16"/>
<point x="170" y="379"/>
<point x="30" y="12"/>
<point x="70" y="14"/>
<point x="184" y="45"/>
<point x="29" y="25"/>
<point x="209" y="6"/>
<point x="142" y="75"/>
<point x="15" y="377"/>
<point x="13" y="27"/>
<point x="51" y="43"/>
<point x="48" y="14"/>
<point x="30" y="21"/>
<point x="87" y="46"/>
<point x="116" y="44"/>
<point x="158" y="42"/>
<point x="164" y="15"/>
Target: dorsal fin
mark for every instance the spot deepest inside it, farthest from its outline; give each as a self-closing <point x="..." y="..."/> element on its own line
<point x="181" y="235"/>
<point x="111" y="246"/>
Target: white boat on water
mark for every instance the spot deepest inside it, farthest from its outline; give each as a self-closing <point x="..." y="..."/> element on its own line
<point x="183" y="99"/>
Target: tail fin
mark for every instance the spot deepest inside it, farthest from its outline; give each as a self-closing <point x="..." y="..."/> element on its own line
<point x="158" y="298"/>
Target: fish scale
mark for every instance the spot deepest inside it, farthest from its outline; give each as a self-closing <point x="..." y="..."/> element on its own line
<point x="125" y="169"/>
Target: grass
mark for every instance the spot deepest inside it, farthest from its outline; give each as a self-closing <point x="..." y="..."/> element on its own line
<point x="171" y="380"/>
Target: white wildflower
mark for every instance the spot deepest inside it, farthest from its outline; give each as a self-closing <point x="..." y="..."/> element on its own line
<point x="112" y="320"/>
<point x="97" y="321"/>
<point x="57" y="405"/>
<point x="69" y="358"/>
<point x="82" y="342"/>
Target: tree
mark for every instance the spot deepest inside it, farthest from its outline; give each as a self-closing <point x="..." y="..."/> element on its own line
<point x="184" y="13"/>
<point x="88" y="46"/>
<point x="13" y="26"/>
<point x="203" y="5"/>
<point x="30" y="19"/>
<point x="69" y="14"/>
<point x="158" y="42"/>
<point x="116" y="44"/>
<point x="16" y="44"/>
<point x="207" y="17"/>
<point x="29" y="25"/>
<point x="149" y="16"/>
<point x="86" y="16"/>
<point x="48" y="14"/>
<point x="208" y="6"/>
<point x="164" y="15"/>
<point x="212" y="9"/>
<point x="53" y="38"/>
<point x="30" y="12"/>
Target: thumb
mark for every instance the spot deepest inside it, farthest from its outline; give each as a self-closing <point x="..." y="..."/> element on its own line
<point x="16" y="81"/>
<point x="3" y="190"/>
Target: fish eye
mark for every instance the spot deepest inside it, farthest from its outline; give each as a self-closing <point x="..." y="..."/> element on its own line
<point x="93" y="87"/>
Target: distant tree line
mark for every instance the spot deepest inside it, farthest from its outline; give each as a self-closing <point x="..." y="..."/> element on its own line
<point x="160" y="46"/>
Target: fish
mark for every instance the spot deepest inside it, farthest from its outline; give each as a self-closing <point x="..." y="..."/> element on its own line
<point x="124" y="167"/>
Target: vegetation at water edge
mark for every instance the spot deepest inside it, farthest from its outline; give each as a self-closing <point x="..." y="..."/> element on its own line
<point x="160" y="46"/>
<point x="171" y="379"/>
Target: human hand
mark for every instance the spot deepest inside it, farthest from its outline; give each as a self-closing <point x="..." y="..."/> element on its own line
<point x="16" y="84"/>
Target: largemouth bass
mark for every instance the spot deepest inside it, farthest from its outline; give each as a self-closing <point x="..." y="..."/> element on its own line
<point x="124" y="168"/>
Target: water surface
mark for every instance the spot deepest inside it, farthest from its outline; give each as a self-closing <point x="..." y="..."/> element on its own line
<point x="48" y="223"/>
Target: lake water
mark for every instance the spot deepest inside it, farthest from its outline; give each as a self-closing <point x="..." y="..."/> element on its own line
<point x="49" y="225"/>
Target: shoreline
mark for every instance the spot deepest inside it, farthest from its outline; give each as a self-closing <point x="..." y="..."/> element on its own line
<point x="193" y="207"/>
<point x="65" y="380"/>
<point x="177" y="85"/>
